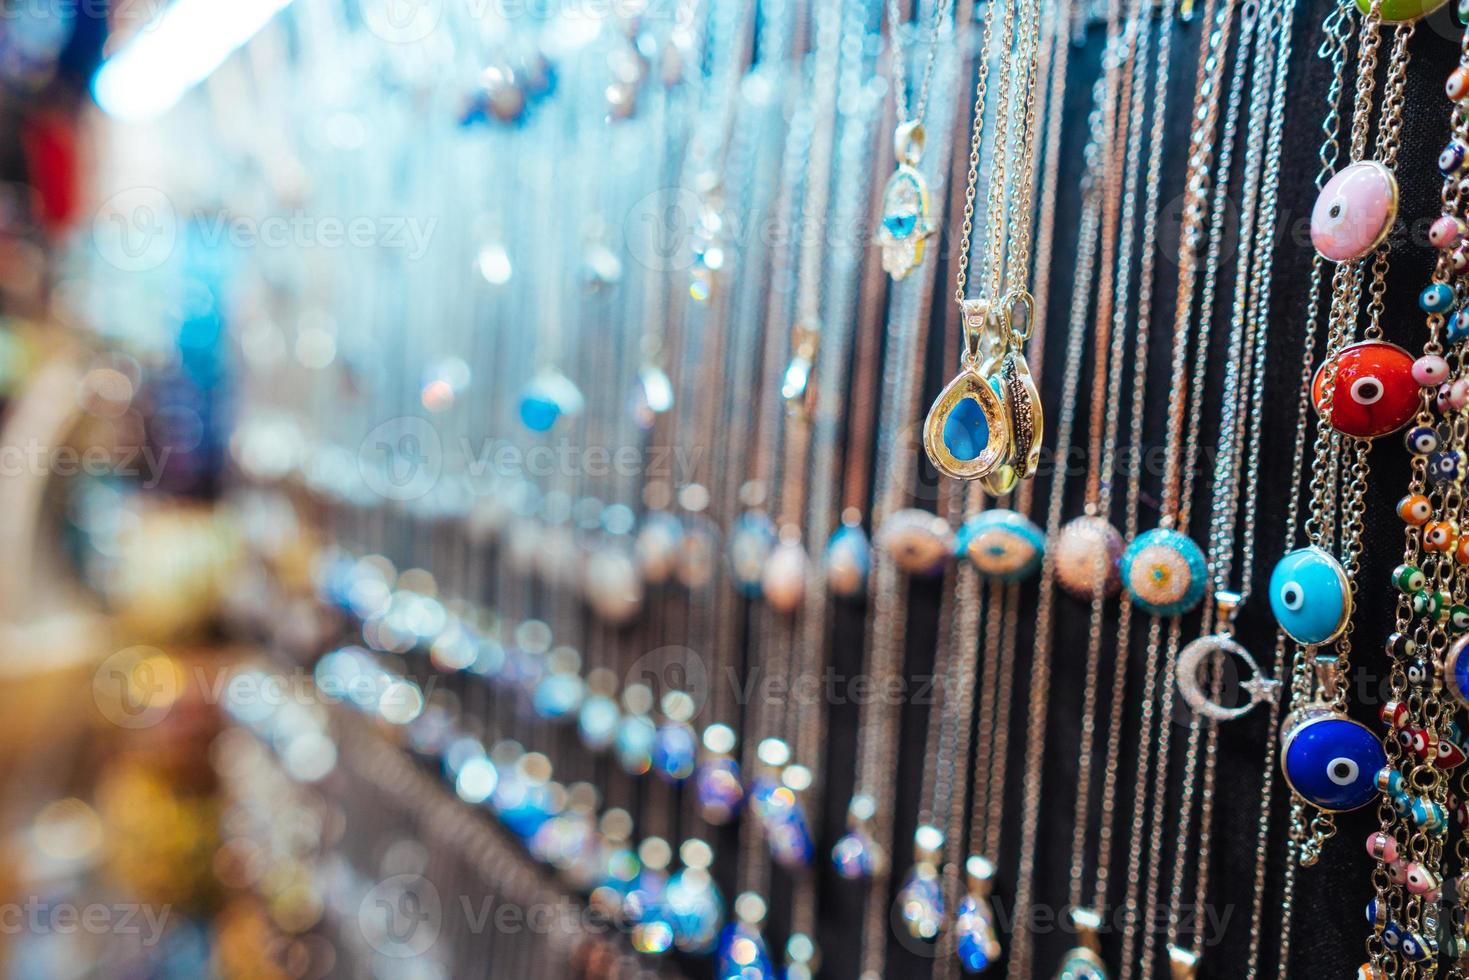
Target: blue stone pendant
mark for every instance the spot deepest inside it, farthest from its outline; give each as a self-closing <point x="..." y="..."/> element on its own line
<point x="848" y="560"/>
<point x="1002" y="545"/>
<point x="1330" y="760"/>
<point x="751" y="541"/>
<point x="977" y="945"/>
<point x="905" y="225"/>
<point x="717" y="782"/>
<point x="1164" y="570"/>
<point x="967" y="433"/>
<point x="742" y="954"/>
<point x="1310" y="596"/>
<point x="921" y="897"/>
<point x="856" y="854"/>
<point x="782" y="815"/>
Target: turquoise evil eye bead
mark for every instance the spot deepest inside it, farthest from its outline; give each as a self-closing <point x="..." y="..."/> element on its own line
<point x="1436" y="297"/>
<point x="1408" y="579"/>
<point x="1456" y="670"/>
<point x="1331" y="760"/>
<point x="1164" y="570"/>
<point x="1001" y="544"/>
<point x="1457" y="327"/>
<point x="1310" y="596"/>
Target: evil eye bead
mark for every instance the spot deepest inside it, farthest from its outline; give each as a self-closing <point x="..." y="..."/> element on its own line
<point x="1450" y="755"/>
<point x="1459" y="260"/>
<point x="1416" y="948"/>
<point x="1354" y="211"/>
<point x="1310" y="596"/>
<point x="1456" y="670"/>
<point x="919" y="542"/>
<point x="1459" y="618"/>
<point x="1456" y="86"/>
<point x="1373" y="391"/>
<point x="1331" y="760"/>
<point x="1415" y="508"/>
<point x="1420" y="880"/>
<point x="1421" y="439"/>
<point x="1389" y="782"/>
<point x="1409" y="579"/>
<point x="1394" y="714"/>
<point x="1429" y="604"/>
<point x="1164" y="570"/>
<point x="1382" y="846"/>
<point x="1086" y="555"/>
<point x="1446" y="232"/>
<point x="1446" y="466"/>
<point x="1436" y="297"/>
<point x="1461" y="12"/>
<point x="1461" y="551"/>
<point x="1001" y="544"/>
<point x="1439" y="536"/>
<point x="1459" y="394"/>
<point x="1400" y="646"/>
<point x="1441" y="398"/>
<point x="1430" y="370"/>
<point x="1451" y="160"/>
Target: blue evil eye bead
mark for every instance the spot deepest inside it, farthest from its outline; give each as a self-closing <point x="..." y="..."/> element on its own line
<point x="1457" y="327"/>
<point x="1409" y="579"/>
<point x="1310" y="596"/>
<point x="1421" y="439"/>
<point x="919" y="542"/>
<point x="848" y="561"/>
<point x="1164" y="570"/>
<point x="1330" y="760"/>
<point x="1001" y="544"/>
<point x="1436" y="297"/>
<point x="1416" y="947"/>
<point x="1446" y="466"/>
<point x="1451" y="160"/>
<point x="1418" y="672"/>
<point x="751" y="541"/>
<point x="1456" y="670"/>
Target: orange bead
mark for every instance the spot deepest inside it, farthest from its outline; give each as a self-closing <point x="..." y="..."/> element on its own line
<point x="1461" y="552"/>
<point x="1457" y="86"/>
<point x="1439" y="536"/>
<point x="1415" y="509"/>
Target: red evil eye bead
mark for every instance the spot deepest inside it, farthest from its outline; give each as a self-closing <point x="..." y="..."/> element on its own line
<point x="1373" y="391"/>
<point x="1439" y="536"/>
<point x="1430" y="370"/>
<point x="1382" y="846"/>
<point x="1457" y="85"/>
<point x="1450" y="756"/>
<point x="1415" y="509"/>
<point x="1394" y="714"/>
<point x="1446" y="232"/>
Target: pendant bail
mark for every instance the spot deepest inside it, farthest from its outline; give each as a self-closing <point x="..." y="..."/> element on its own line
<point x="1088" y="923"/>
<point x="975" y="314"/>
<point x="1183" y="964"/>
<point x="908" y="141"/>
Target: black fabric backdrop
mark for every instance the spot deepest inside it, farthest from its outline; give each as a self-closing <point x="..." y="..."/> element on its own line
<point x="1329" y="921"/>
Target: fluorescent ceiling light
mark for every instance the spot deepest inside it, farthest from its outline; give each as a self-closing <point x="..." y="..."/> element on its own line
<point x="179" y="48"/>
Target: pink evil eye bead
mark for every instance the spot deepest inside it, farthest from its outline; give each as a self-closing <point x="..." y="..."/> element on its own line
<point x="1354" y="211"/>
<point x="1459" y="394"/>
<point x="1441" y="398"/>
<point x="1430" y="370"/>
<point x="1459" y="260"/>
<point x="1446" y="232"/>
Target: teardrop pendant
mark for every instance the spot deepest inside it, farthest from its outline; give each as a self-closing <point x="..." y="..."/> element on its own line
<point x="978" y="944"/>
<point x="906" y="226"/>
<point x="967" y="432"/>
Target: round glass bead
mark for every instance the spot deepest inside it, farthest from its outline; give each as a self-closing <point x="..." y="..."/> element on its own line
<point x="1415" y="509"/>
<point x="1310" y="596"/>
<point x="1451" y="160"/>
<point x="1401" y="11"/>
<point x="1421" y="439"/>
<point x="1332" y="761"/>
<point x="1436" y="297"/>
<point x="1456" y="86"/>
<point x="1087" y="552"/>
<point x="1354" y="211"/>
<point x="1446" y="232"/>
<point x="1001" y="544"/>
<point x="1409" y="579"/>
<point x="1373" y="391"/>
<point x="1457" y="327"/>
<point x="1439" y="536"/>
<point x="1430" y="370"/>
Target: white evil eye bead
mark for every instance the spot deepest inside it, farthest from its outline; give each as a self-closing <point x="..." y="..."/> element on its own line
<point x="919" y="542"/>
<point x="1446" y="232"/>
<point x="1430" y="370"/>
<point x="1408" y="579"/>
<point x="1310" y="596"/>
<point x="1421" y="439"/>
<point x="1451" y="160"/>
<point x="1331" y="760"/>
<point x="1436" y="297"/>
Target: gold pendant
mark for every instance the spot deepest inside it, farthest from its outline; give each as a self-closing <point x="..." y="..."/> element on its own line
<point x="905" y="224"/>
<point x="967" y="434"/>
